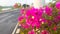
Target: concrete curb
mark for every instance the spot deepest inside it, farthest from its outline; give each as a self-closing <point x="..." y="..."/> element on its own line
<point x="16" y="29"/>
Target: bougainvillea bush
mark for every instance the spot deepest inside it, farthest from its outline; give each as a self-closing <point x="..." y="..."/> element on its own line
<point x="45" y="20"/>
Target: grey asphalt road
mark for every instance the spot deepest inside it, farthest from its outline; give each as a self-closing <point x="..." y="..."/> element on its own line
<point x="8" y="21"/>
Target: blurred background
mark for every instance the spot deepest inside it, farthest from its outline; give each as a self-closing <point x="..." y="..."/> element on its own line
<point x="10" y="3"/>
<point x="10" y="10"/>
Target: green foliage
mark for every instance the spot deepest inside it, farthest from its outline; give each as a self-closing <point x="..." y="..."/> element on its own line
<point x="25" y="5"/>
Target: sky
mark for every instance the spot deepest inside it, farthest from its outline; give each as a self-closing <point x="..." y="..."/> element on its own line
<point x="12" y="2"/>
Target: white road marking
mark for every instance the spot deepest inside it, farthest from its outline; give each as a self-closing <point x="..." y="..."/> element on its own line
<point x="15" y="28"/>
<point x="6" y="18"/>
<point x="18" y="31"/>
<point x="4" y="15"/>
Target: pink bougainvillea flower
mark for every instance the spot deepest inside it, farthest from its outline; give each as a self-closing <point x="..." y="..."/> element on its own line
<point x="31" y="12"/>
<point x="25" y="26"/>
<point x="49" y="22"/>
<point x="42" y="20"/>
<point x="38" y="25"/>
<point x="44" y="32"/>
<point x="32" y="22"/>
<point x="20" y="18"/>
<point x="22" y="11"/>
<point x="58" y="13"/>
<point x="48" y="10"/>
<point x="31" y="32"/>
<point x="32" y="17"/>
<point x="55" y="28"/>
<point x="57" y="19"/>
<point x="58" y="5"/>
<point x="40" y="12"/>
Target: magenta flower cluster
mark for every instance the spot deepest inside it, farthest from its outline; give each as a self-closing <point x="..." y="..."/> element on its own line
<point x="34" y="18"/>
<point x="58" y="5"/>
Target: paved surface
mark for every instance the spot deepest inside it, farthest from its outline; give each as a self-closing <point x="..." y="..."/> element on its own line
<point x="8" y="21"/>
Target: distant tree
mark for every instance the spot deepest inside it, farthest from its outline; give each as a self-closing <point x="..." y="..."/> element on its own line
<point x="28" y="6"/>
<point x="0" y="8"/>
<point x="25" y="5"/>
<point x="17" y="5"/>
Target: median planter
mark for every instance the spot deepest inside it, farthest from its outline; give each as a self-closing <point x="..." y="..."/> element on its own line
<point x="40" y="21"/>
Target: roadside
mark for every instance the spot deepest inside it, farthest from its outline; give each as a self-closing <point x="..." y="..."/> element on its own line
<point x="7" y="10"/>
<point x="8" y="21"/>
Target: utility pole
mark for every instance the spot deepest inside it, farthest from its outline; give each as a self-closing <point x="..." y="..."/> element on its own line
<point x="37" y="3"/>
<point x="43" y="2"/>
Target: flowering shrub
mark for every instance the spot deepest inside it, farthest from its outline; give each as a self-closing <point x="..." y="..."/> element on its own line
<point x="16" y="5"/>
<point x="40" y="21"/>
<point x="58" y="5"/>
